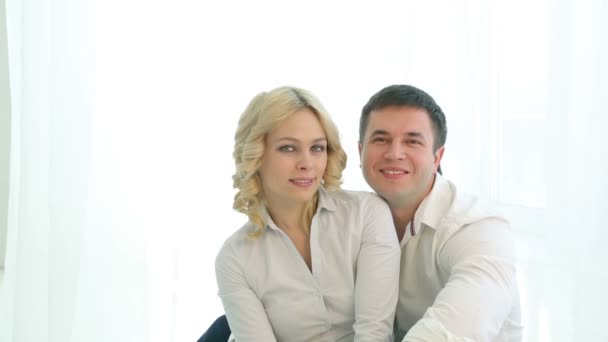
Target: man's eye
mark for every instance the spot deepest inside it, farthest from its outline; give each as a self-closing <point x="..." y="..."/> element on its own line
<point x="287" y="148"/>
<point x="318" y="148"/>
<point x="379" y="140"/>
<point x="414" y="142"/>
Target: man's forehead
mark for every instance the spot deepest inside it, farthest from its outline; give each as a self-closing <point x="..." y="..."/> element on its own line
<point x="397" y="116"/>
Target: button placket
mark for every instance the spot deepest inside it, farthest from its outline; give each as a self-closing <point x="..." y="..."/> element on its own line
<point x="317" y="269"/>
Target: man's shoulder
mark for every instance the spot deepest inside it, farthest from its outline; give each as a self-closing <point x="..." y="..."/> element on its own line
<point x="461" y="209"/>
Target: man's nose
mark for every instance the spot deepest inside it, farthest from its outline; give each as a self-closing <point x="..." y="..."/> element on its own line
<point x="394" y="151"/>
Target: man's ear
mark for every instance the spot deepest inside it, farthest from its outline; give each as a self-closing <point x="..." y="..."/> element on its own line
<point x="360" y="149"/>
<point x="438" y="156"/>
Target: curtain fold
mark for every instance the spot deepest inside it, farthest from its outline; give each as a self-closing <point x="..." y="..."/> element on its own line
<point x="26" y="276"/>
<point x="76" y="262"/>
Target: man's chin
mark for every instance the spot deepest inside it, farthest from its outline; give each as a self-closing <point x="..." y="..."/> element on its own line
<point x="393" y="196"/>
<point x="387" y="195"/>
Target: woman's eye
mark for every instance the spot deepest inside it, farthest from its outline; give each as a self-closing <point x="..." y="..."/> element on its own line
<point x="287" y="148"/>
<point x="319" y="148"/>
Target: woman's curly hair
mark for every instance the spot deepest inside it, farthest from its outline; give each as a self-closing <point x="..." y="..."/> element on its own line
<point x="266" y="111"/>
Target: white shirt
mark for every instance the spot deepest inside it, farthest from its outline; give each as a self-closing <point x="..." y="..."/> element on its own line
<point x="269" y="293"/>
<point x="458" y="276"/>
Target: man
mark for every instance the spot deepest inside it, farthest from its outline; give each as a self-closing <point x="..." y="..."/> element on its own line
<point x="458" y="280"/>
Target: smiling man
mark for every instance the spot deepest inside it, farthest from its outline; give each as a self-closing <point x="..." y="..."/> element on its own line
<point x="458" y="274"/>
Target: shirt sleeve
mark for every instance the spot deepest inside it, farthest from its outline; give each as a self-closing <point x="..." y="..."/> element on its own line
<point x="481" y="288"/>
<point x="377" y="280"/>
<point x="244" y="311"/>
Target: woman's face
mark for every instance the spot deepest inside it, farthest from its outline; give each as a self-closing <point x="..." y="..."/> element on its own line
<point x="294" y="160"/>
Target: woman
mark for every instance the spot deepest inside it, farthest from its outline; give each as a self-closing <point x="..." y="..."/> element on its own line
<point x="314" y="263"/>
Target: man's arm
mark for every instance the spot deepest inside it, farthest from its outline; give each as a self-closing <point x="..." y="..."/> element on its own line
<point x="481" y="288"/>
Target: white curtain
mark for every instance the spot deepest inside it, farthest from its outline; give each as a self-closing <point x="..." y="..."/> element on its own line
<point x="123" y="114"/>
<point x="52" y="81"/>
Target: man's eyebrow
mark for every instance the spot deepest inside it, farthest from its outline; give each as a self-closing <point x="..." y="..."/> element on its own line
<point x="379" y="132"/>
<point x="415" y="135"/>
<point x="409" y="134"/>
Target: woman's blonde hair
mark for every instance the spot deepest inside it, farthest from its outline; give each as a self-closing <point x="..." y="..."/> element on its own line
<point x="266" y="111"/>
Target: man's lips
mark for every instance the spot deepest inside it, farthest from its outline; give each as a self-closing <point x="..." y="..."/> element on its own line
<point x="392" y="171"/>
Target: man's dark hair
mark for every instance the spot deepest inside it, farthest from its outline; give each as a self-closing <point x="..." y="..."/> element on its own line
<point x="406" y="95"/>
<point x="410" y="96"/>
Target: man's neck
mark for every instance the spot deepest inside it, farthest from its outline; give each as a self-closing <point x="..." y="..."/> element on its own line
<point x="403" y="211"/>
<point x="402" y="215"/>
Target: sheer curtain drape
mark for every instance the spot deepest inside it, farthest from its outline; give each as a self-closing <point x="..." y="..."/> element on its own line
<point x="51" y="67"/>
<point x="123" y="114"/>
<point x="64" y="277"/>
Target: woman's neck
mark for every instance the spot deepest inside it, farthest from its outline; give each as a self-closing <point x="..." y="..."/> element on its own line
<point x="288" y="217"/>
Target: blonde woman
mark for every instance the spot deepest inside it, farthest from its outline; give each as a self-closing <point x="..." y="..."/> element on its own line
<point x="314" y="263"/>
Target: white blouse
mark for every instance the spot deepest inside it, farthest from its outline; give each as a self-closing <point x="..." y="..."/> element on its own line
<point x="269" y="293"/>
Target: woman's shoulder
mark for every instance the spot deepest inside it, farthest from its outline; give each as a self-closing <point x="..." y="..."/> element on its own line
<point x="238" y="241"/>
<point x="355" y="198"/>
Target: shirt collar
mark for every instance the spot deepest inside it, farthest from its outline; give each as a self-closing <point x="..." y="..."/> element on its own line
<point x="431" y="210"/>
<point x="326" y="201"/>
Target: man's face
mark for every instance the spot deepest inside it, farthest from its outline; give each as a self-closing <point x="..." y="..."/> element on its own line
<point x="397" y="155"/>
